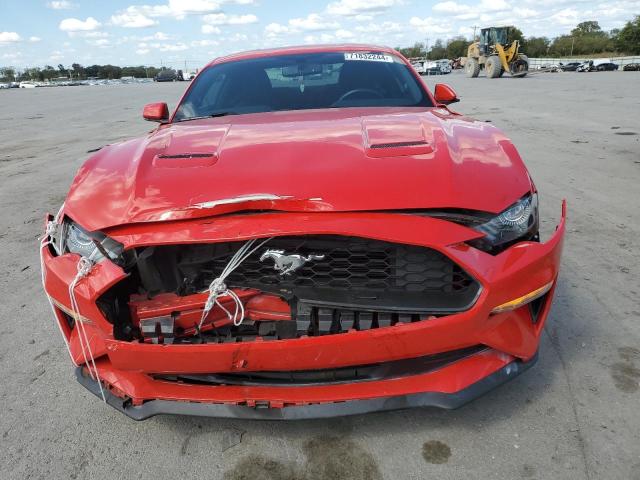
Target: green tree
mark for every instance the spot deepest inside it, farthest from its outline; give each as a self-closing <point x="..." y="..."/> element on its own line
<point x="418" y="50"/>
<point x="628" y="39"/>
<point x="77" y="70"/>
<point x="437" y="51"/>
<point x="515" y="34"/>
<point x="587" y="28"/>
<point x="536" y="46"/>
<point x="7" y="74"/>
<point x="457" y="47"/>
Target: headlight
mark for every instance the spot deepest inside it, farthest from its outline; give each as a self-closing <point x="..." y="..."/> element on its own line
<point x="96" y="246"/>
<point x="517" y="223"/>
<point x="78" y="240"/>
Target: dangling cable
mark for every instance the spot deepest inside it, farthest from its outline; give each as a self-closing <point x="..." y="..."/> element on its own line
<point x="84" y="267"/>
<point x="217" y="288"/>
<point x="44" y="244"/>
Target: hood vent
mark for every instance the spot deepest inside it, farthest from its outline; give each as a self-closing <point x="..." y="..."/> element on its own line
<point x="185" y="160"/>
<point x="188" y="155"/>
<point x="399" y="144"/>
<point x="399" y="149"/>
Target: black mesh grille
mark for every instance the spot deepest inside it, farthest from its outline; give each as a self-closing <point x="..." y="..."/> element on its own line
<point x="353" y="271"/>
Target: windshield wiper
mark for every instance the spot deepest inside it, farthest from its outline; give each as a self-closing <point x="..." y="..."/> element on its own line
<point x="212" y="115"/>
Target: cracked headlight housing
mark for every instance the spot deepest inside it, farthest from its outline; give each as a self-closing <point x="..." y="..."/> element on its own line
<point x="517" y="223"/>
<point x="69" y="237"/>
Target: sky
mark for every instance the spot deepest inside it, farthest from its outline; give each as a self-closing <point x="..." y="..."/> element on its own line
<point x="172" y="32"/>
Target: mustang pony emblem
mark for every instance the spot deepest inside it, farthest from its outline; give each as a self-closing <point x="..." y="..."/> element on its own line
<point x="286" y="264"/>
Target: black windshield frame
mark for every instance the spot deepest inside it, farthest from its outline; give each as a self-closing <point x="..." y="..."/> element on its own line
<point x="303" y="81"/>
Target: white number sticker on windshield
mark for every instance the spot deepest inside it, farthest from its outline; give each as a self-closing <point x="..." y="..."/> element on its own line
<point x="368" y="57"/>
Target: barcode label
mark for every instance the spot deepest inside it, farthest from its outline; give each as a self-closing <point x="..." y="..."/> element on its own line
<point x="368" y="57"/>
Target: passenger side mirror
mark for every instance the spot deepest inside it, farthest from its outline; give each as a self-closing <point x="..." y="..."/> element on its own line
<point x="444" y="94"/>
<point x="156" y="112"/>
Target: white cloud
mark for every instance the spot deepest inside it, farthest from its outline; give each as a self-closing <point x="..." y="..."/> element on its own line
<point x="204" y="43"/>
<point x="321" y="38"/>
<point x="132" y="20"/>
<point x="451" y="8"/>
<point x="224" y="19"/>
<point x="144" y="47"/>
<point x="61" y="5"/>
<point x="275" y="29"/>
<point x="100" y="42"/>
<point x="494" y="6"/>
<point x="383" y="28"/>
<point x="357" y="7"/>
<point x="179" y="9"/>
<point x="157" y="36"/>
<point x="210" y="29"/>
<point x="525" y="12"/>
<point x="238" y="37"/>
<point x="56" y="55"/>
<point x="343" y="34"/>
<point x="313" y="22"/>
<point x="430" y="25"/>
<point x="171" y="47"/>
<point x="34" y="39"/>
<point x="90" y="34"/>
<point x="9" y="37"/>
<point x="567" y="16"/>
<point x="76" y="25"/>
<point x="310" y="23"/>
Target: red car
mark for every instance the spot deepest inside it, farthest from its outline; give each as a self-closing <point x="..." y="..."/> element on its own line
<point x="311" y="233"/>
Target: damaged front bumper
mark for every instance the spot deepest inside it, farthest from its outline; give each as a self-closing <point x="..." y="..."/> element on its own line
<point x="442" y="359"/>
<point x="333" y="408"/>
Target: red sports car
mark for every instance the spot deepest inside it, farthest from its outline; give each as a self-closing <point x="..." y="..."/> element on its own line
<point x="311" y="233"/>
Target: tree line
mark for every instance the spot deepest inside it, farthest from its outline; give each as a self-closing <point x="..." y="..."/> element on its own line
<point x="77" y="72"/>
<point x="587" y="38"/>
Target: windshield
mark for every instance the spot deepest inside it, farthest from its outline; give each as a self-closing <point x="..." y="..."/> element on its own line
<point x="303" y="81"/>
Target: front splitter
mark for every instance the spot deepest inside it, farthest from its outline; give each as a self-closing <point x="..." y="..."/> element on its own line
<point x="302" y="412"/>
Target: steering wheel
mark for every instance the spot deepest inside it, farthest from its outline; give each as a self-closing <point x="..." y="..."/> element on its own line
<point x="358" y="90"/>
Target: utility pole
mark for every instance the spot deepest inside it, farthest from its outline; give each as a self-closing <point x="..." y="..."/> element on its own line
<point x="572" y="40"/>
<point x="475" y="27"/>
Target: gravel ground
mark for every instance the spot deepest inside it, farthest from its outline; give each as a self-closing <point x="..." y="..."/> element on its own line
<point x="574" y="415"/>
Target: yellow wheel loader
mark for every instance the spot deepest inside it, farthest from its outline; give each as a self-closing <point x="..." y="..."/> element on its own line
<point x="493" y="54"/>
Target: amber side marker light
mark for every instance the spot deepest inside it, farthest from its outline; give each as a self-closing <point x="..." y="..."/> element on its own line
<point x="523" y="300"/>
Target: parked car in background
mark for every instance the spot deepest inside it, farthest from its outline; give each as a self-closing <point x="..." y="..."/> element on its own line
<point x="445" y="65"/>
<point x="570" y="67"/>
<point x="432" y="68"/>
<point x="632" y="67"/>
<point x="166" y="75"/>
<point x="606" y="67"/>
<point x="586" y="67"/>
<point x="551" y="67"/>
<point x="418" y="67"/>
<point x="28" y="85"/>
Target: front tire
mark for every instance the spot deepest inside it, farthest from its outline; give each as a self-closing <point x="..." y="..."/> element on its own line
<point x="472" y="67"/>
<point x="520" y="67"/>
<point x="493" y="67"/>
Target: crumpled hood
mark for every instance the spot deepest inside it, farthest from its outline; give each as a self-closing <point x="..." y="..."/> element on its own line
<point x="322" y="160"/>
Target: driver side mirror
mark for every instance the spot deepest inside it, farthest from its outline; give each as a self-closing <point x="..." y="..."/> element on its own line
<point x="156" y="112"/>
<point x="444" y="94"/>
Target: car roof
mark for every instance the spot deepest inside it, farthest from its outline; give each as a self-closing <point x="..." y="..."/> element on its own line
<point x="270" y="52"/>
